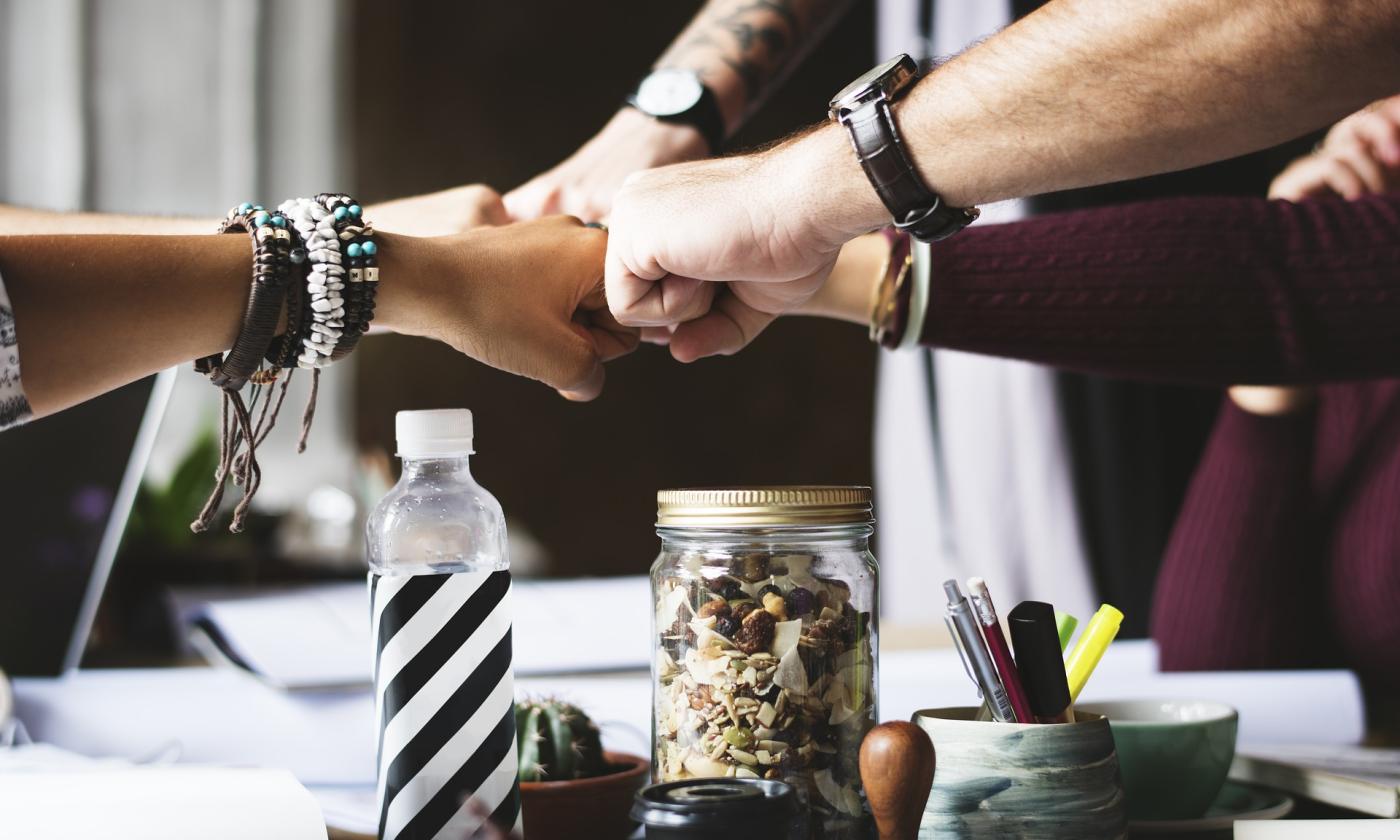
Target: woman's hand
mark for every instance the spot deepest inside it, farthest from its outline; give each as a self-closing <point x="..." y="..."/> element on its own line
<point x="1360" y="156"/>
<point x="525" y="298"/>
<point x="441" y="213"/>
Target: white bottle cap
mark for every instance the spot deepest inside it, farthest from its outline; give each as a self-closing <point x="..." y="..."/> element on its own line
<point x="443" y="432"/>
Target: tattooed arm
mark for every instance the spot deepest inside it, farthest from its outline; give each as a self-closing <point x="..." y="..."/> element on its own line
<point x="741" y="49"/>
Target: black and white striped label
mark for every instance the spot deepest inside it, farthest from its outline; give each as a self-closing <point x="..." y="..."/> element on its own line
<point x="444" y="703"/>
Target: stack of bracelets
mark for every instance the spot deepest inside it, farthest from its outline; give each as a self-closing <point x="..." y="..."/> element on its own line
<point x="901" y="297"/>
<point x="315" y="259"/>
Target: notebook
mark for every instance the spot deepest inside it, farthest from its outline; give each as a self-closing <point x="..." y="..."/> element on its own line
<point x="1356" y="778"/>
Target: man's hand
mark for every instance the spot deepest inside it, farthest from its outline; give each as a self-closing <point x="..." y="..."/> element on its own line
<point x="1361" y="155"/>
<point x="525" y="298"/>
<point x="767" y="225"/>
<point x="585" y="183"/>
<point x="441" y="213"/>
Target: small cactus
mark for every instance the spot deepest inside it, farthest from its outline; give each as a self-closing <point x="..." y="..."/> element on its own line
<point x="556" y="742"/>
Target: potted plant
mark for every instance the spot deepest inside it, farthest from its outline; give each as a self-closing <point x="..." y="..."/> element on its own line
<point x="567" y="780"/>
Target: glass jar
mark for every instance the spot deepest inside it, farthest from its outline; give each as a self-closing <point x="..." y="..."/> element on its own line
<point x="765" y="624"/>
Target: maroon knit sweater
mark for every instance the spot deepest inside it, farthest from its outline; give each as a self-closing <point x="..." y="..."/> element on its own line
<point x="1286" y="552"/>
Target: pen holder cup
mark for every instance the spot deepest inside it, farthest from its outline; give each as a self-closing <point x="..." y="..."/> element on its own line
<point x="1029" y="781"/>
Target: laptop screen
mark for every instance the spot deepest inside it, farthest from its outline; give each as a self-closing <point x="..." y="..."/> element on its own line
<point x="66" y="486"/>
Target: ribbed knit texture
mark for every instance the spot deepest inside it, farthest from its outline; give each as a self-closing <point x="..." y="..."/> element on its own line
<point x="1287" y="550"/>
<point x="1205" y="290"/>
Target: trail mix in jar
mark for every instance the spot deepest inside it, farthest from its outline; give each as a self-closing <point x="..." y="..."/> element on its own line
<point x="764" y="670"/>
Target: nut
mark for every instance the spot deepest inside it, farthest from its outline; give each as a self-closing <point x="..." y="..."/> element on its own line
<point x="715" y="606"/>
<point x="774" y="604"/>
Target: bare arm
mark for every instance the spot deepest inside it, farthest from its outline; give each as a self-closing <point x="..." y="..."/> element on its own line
<point x="1091" y="91"/>
<point x="1081" y="92"/>
<point x="95" y="312"/>
<point x="17" y="221"/>
<point x="741" y="49"/>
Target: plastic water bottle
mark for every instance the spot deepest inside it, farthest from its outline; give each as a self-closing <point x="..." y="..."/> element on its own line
<point x="439" y="585"/>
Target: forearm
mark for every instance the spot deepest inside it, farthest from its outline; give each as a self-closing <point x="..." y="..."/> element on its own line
<point x="20" y="221"/>
<point x="1214" y="291"/>
<point x="1090" y="91"/>
<point x="95" y="312"/>
<point x="743" y="49"/>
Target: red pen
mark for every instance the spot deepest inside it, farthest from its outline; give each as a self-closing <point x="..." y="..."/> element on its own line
<point x="1000" y="650"/>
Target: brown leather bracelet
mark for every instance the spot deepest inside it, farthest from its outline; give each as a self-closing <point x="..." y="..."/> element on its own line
<point x="272" y="273"/>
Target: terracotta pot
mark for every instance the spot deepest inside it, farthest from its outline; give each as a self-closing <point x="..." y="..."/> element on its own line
<point x="598" y="807"/>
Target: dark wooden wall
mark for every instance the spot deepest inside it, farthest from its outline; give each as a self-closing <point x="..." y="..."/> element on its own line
<point x="450" y="92"/>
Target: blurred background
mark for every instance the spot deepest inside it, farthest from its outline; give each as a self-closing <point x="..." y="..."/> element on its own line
<point x="176" y="108"/>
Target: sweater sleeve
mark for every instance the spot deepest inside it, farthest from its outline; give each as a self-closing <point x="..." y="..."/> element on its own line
<point x="14" y="407"/>
<point x="1241" y="571"/>
<point x="1201" y="290"/>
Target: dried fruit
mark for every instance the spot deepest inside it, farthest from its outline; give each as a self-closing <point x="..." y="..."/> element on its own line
<point x="727" y="588"/>
<point x="726" y="626"/>
<point x="750" y="567"/>
<point x="743" y="608"/>
<point x="756" y="633"/>
<point x="713" y="607"/>
<point x="766" y="590"/>
<point x="774" y="604"/>
<point x="800" y="601"/>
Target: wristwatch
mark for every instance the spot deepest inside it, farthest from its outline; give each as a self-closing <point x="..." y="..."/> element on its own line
<point x="864" y="108"/>
<point x="674" y="95"/>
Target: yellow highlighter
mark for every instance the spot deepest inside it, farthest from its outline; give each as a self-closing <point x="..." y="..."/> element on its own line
<point x="1087" y="652"/>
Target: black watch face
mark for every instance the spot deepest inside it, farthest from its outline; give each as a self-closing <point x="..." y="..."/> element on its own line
<point x="884" y="78"/>
<point x="667" y="93"/>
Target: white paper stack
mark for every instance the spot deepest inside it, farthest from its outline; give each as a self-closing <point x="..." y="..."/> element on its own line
<point x="158" y="803"/>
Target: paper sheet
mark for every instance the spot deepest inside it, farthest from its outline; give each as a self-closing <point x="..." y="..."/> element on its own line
<point x="158" y="803"/>
<point x="319" y="636"/>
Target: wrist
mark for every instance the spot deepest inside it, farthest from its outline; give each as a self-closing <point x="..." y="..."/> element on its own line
<point x="667" y="142"/>
<point x="822" y="179"/>
<point x="406" y="263"/>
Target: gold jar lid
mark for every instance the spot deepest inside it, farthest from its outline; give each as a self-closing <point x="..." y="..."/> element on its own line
<point x="743" y="507"/>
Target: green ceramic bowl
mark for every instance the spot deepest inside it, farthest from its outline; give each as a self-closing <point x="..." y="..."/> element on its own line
<point x="1173" y="754"/>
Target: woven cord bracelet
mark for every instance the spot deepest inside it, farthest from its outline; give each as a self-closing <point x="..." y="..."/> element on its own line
<point x="273" y="264"/>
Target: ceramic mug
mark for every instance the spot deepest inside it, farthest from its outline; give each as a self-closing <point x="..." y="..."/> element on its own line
<point x="1174" y="754"/>
<point x="1030" y="781"/>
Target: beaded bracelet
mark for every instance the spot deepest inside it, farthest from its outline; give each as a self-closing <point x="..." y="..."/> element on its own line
<point x="362" y="268"/>
<point x="324" y="283"/>
<point x="273" y="260"/>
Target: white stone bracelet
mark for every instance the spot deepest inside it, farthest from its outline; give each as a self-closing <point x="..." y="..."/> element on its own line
<point x="324" y="282"/>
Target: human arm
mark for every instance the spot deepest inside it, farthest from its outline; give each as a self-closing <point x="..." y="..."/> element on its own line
<point x="432" y="214"/>
<point x="1081" y="92"/>
<point x="94" y="312"/>
<point x="741" y="49"/>
<point x="1202" y="290"/>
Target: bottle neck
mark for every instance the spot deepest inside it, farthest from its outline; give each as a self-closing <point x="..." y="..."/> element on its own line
<point x="436" y="466"/>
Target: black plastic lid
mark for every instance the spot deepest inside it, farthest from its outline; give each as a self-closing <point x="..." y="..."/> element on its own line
<point x="1038" y="657"/>
<point x="758" y="806"/>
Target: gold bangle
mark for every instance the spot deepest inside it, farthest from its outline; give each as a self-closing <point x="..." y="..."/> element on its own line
<point x="877" y="292"/>
<point x="886" y="305"/>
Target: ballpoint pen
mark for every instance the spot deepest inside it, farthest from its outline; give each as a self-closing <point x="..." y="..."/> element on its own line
<point x="1087" y="652"/>
<point x="999" y="649"/>
<point x="1038" y="658"/>
<point x="964" y="626"/>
